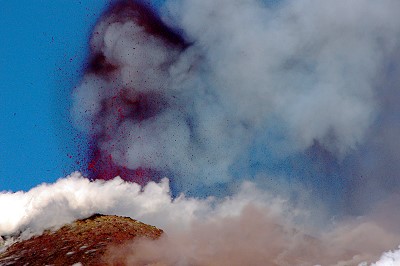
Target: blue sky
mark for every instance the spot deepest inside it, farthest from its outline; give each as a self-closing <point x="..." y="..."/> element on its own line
<point x="42" y="53"/>
<point x="44" y="47"/>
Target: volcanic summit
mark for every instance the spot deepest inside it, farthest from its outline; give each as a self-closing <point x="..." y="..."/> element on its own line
<point x="83" y="242"/>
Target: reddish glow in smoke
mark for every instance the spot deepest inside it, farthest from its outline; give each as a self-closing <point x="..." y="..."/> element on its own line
<point x="126" y="104"/>
<point x="101" y="165"/>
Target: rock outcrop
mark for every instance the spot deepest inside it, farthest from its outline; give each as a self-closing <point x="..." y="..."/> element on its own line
<point x="83" y="242"/>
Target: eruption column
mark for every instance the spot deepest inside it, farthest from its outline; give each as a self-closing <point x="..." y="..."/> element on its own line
<point x="135" y="100"/>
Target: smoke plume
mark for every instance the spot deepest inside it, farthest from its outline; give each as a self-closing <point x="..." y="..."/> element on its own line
<point x="275" y="122"/>
<point x="299" y="97"/>
<point x="214" y="92"/>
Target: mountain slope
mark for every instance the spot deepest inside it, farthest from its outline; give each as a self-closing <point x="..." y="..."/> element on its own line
<point x="83" y="241"/>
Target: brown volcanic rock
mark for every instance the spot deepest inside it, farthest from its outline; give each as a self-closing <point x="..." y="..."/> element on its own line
<point x="84" y="241"/>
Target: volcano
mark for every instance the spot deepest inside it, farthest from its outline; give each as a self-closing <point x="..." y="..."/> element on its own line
<point x="83" y="242"/>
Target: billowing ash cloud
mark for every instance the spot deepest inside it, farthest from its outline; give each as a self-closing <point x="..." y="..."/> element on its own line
<point x="209" y="93"/>
<point x="251" y="227"/>
<point x="285" y="113"/>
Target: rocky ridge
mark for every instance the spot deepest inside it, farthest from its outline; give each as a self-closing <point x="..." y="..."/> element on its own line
<point x="83" y="242"/>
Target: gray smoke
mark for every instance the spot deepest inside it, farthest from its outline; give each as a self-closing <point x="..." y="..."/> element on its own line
<point x="289" y="76"/>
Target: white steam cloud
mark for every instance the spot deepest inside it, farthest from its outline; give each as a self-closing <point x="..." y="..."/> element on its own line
<point x="390" y="258"/>
<point x="250" y="227"/>
<point x="52" y="205"/>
